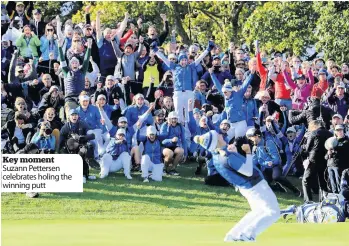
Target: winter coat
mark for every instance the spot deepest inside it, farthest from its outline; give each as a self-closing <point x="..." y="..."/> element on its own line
<point x="312" y="113"/>
<point x="300" y="95"/>
<point x="168" y="132"/>
<point x="315" y="146"/>
<point x="28" y="47"/>
<point x="151" y="149"/>
<point x="233" y="105"/>
<point x="266" y="152"/>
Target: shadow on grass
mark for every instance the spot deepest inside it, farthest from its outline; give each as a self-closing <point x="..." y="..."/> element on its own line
<point x="169" y="203"/>
<point x="173" y="191"/>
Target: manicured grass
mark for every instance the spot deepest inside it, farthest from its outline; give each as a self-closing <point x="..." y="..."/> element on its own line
<point x="177" y="211"/>
<point x="176" y="198"/>
<point x="162" y="233"/>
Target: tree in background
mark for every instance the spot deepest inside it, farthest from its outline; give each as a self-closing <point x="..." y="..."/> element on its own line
<point x="332" y="29"/>
<point x="280" y="26"/>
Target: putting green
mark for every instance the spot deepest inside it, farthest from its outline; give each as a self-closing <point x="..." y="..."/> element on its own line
<point x="161" y="233"/>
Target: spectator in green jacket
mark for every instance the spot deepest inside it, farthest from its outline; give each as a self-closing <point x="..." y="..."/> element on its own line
<point x="28" y="44"/>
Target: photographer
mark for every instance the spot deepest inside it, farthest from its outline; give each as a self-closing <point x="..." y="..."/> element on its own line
<point x="44" y="139"/>
<point x="18" y="132"/>
<point x="74" y="140"/>
<point x="337" y="158"/>
<point x="312" y="112"/>
<point x="314" y="171"/>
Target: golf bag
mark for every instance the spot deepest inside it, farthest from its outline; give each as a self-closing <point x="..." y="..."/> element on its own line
<point x="330" y="210"/>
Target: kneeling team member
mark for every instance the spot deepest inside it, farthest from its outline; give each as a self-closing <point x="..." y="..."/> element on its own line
<point x="172" y="135"/>
<point x="117" y="156"/>
<point x="151" y="159"/>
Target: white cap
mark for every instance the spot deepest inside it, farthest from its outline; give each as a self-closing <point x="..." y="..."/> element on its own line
<point x="121" y="131"/>
<point x="172" y="56"/>
<point x="110" y="77"/>
<point x="84" y="98"/>
<point x="341" y="85"/>
<point x="173" y="115"/>
<point x="101" y="96"/>
<point x="151" y="130"/>
<point x="291" y="129"/>
<point x="138" y="96"/>
<point x="122" y="119"/>
<point x="225" y="122"/>
<point x="337" y="116"/>
<point x="54" y="87"/>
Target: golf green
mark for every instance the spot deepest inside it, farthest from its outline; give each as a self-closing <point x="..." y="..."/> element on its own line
<point x="178" y="211"/>
<point x="160" y="233"/>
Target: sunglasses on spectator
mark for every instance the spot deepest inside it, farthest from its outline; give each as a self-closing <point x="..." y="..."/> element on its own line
<point x="77" y="41"/>
<point x="21" y="71"/>
<point x="277" y="56"/>
<point x="49" y="30"/>
<point x="88" y="29"/>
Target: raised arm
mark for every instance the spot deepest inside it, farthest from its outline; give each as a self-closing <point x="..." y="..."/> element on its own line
<point x="288" y="79"/>
<point x="210" y="46"/>
<point x="246" y="83"/>
<point x="64" y="65"/>
<point x="87" y="15"/>
<point x="215" y="81"/>
<point x="98" y="26"/>
<point x="123" y="26"/>
<point x="155" y="48"/>
<point x="163" y="35"/>
<point x="87" y="56"/>
<point x="140" y="48"/>
<point x="59" y="28"/>
<point x="13" y="64"/>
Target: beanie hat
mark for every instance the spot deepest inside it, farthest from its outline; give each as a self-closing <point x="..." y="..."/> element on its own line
<point x="182" y="56"/>
<point x="227" y="87"/>
<point x="74" y="59"/>
<point x="151" y="130"/>
<point x="208" y="141"/>
<point x="196" y="110"/>
<point x="54" y="87"/>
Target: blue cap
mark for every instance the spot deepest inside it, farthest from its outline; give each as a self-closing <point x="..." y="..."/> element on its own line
<point x="37" y="11"/>
<point x="196" y="110"/>
<point x="323" y="71"/>
<point x="182" y="56"/>
<point x="216" y="57"/>
<point x="73" y="111"/>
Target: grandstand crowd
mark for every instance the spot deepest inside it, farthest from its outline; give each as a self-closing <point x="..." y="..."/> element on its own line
<point x="132" y="98"/>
